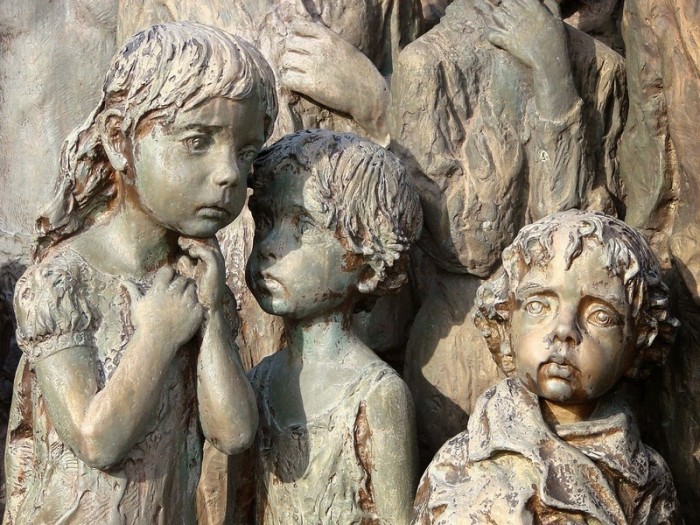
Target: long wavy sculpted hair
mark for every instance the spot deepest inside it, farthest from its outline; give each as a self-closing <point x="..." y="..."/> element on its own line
<point x="158" y="72"/>
<point x="628" y="257"/>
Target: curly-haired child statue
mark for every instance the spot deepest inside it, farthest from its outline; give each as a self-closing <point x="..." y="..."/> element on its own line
<point x="579" y="307"/>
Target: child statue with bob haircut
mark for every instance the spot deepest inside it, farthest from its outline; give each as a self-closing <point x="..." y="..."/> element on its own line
<point x="124" y="319"/>
<point x="335" y="216"/>
<point x="579" y="306"/>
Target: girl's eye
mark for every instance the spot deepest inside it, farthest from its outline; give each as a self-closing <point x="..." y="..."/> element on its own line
<point x="197" y="143"/>
<point x="602" y="317"/>
<point x="535" y="307"/>
<point x="248" y="155"/>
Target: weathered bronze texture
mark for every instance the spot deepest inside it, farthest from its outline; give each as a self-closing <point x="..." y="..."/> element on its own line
<point x="499" y="125"/>
<point x="335" y="216"/>
<point x="125" y="322"/>
<point x="579" y="307"/>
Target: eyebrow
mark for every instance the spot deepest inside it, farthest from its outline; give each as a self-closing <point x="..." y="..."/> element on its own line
<point x="199" y="126"/>
<point x="537" y="287"/>
<point x="613" y="301"/>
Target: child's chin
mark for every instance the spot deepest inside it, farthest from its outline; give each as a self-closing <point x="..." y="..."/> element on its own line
<point x="271" y="305"/>
<point x="558" y="390"/>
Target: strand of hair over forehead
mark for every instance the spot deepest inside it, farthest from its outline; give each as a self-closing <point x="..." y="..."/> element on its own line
<point x="369" y="195"/>
<point x="181" y="64"/>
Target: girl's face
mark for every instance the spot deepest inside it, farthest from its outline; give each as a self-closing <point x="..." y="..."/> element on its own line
<point x="190" y="175"/>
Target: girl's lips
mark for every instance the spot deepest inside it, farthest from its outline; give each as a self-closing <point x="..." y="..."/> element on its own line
<point x="213" y="212"/>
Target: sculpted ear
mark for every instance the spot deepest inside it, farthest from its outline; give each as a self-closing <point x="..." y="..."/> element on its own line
<point x="370" y="279"/>
<point x="114" y="140"/>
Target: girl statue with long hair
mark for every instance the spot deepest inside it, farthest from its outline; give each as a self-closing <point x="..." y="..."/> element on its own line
<point x="126" y="325"/>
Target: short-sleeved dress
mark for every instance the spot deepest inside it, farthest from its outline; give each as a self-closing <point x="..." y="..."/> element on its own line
<point x="314" y="474"/>
<point x="61" y="303"/>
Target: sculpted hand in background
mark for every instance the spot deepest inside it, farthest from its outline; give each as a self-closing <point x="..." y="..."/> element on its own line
<point x="321" y="64"/>
<point x="533" y="32"/>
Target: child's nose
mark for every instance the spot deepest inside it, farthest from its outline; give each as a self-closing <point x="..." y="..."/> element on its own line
<point x="271" y="246"/>
<point x="566" y="327"/>
<point x="227" y="174"/>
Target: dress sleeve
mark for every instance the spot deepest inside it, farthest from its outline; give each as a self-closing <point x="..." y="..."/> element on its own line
<point x="52" y="313"/>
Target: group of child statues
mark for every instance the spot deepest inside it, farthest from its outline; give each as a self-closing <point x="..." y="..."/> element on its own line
<point x="128" y="329"/>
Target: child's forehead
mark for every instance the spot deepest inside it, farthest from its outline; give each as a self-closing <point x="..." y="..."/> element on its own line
<point x="291" y="189"/>
<point x="582" y="270"/>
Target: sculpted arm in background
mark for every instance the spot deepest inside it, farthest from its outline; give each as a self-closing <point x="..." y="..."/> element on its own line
<point x="227" y="409"/>
<point x="388" y="436"/>
<point x="465" y="160"/>
<point x="101" y="427"/>
<point x="319" y="63"/>
<point x="533" y="33"/>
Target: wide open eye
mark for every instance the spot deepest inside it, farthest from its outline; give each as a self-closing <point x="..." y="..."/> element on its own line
<point x="535" y="307"/>
<point x="602" y="317"/>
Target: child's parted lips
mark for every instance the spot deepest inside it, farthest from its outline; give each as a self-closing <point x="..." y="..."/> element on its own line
<point x="561" y="370"/>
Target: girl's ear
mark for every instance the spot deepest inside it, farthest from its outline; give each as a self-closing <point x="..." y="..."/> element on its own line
<point x="114" y="139"/>
<point x="371" y="277"/>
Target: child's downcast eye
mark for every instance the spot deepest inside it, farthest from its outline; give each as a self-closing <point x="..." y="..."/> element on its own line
<point x="197" y="143"/>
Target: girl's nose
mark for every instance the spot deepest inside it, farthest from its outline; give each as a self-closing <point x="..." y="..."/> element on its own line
<point x="227" y="172"/>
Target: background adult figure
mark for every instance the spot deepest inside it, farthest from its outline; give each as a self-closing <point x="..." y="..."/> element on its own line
<point x="500" y="126"/>
<point x="660" y="164"/>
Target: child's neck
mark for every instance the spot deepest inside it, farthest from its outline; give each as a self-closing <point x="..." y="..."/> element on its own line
<point x="561" y="414"/>
<point x="321" y="338"/>
<point x="130" y="243"/>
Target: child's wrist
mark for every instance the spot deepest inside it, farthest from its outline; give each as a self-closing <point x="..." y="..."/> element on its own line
<point x="148" y="339"/>
<point x="215" y="317"/>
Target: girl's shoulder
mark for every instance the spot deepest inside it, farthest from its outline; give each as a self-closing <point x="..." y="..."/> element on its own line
<point x="52" y="304"/>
